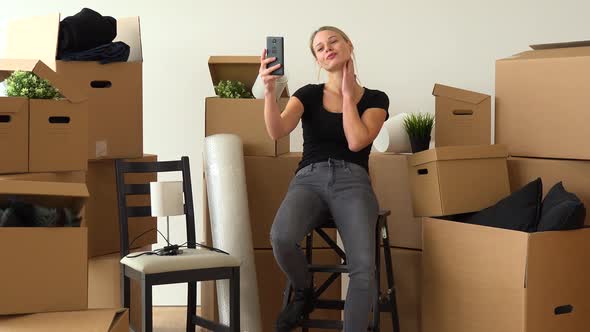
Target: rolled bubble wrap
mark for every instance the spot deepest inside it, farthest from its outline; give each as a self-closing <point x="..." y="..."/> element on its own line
<point x="230" y="223"/>
<point x="258" y="87"/>
<point x="393" y="136"/>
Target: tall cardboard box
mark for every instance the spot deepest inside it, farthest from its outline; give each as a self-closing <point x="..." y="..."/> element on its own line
<point x="243" y="117"/>
<point x="458" y="179"/>
<point x="44" y="268"/>
<point x="391" y="184"/>
<point x="542" y="103"/>
<point x="486" y="279"/>
<point x="573" y="174"/>
<point x="68" y="177"/>
<point x="14" y="134"/>
<point x="114" y="90"/>
<point x="102" y="214"/>
<point x="56" y="129"/>
<point x="103" y="320"/>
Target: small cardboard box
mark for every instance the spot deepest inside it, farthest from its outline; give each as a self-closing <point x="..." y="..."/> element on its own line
<point x="462" y="117"/>
<point x="243" y="117"/>
<point x="391" y="184"/>
<point x="14" y="134"/>
<point x="56" y="129"/>
<point x="458" y="179"/>
<point x="46" y="264"/>
<point x="114" y="90"/>
<point x="486" y="279"/>
<point x="99" y="320"/>
<point x="573" y="174"/>
<point x="542" y="101"/>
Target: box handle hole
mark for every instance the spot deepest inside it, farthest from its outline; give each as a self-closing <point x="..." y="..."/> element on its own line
<point x="463" y="112"/>
<point x="564" y="309"/>
<point x="59" y="119"/>
<point x="423" y="171"/>
<point x="101" y="84"/>
<point x="4" y="118"/>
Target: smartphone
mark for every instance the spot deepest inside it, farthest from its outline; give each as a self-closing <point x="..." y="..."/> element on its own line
<point x="274" y="48"/>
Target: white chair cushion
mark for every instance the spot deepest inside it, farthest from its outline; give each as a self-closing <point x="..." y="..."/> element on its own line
<point x="189" y="259"/>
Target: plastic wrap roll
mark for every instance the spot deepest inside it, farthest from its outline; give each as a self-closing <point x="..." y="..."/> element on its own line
<point x="258" y="88"/>
<point x="393" y="136"/>
<point x="230" y="223"/>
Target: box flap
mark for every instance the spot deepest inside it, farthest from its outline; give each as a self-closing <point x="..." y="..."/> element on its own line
<point x="66" y="87"/>
<point x="34" y="38"/>
<point x="582" y="43"/>
<point x="13" y="105"/>
<point x="459" y="152"/>
<point x="459" y="94"/>
<point x="96" y="320"/>
<point x="56" y="194"/>
<point x="128" y="31"/>
<point x="551" y="53"/>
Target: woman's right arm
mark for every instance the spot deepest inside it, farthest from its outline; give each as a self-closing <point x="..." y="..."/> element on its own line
<point x="277" y="124"/>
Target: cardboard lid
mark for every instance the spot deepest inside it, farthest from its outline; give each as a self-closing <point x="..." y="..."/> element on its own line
<point x="458" y="94"/>
<point x="37" y="38"/>
<point x="96" y="320"/>
<point x="13" y="105"/>
<point x="553" y="50"/>
<point x="458" y="153"/>
<point x="65" y="87"/>
<point x="582" y="43"/>
<point x="51" y="194"/>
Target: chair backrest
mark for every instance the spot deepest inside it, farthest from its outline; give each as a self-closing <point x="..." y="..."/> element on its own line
<point x="124" y="190"/>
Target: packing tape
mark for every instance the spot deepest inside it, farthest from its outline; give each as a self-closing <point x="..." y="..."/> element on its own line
<point x="230" y="223"/>
<point x="393" y="136"/>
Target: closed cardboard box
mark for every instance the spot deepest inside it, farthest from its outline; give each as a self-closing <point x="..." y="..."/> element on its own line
<point x="391" y="184"/>
<point x="542" y="102"/>
<point x="114" y="90"/>
<point x="14" y="134"/>
<point x="573" y="174"/>
<point x="102" y="320"/>
<point x="243" y="117"/>
<point x="458" y="179"/>
<point x="487" y="279"/>
<point x="44" y="268"/>
<point x="68" y="177"/>
<point x="462" y="117"/>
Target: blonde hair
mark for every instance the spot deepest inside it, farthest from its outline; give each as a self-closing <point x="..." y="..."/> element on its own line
<point x="341" y="33"/>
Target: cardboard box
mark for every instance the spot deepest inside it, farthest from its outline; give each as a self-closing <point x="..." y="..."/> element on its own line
<point x="104" y="286"/>
<point x="104" y="320"/>
<point x="114" y="90"/>
<point x="462" y="117"/>
<point x="271" y="285"/>
<point x="541" y="101"/>
<point x="68" y="177"/>
<point x="459" y="179"/>
<point x="56" y="129"/>
<point x="47" y="264"/>
<point x="391" y="184"/>
<point x="573" y="174"/>
<point x="243" y="117"/>
<point x="14" y="134"/>
<point x="479" y="278"/>
<point x="102" y="214"/>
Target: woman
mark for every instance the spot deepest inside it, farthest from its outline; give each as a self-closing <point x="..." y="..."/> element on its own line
<point x="340" y="120"/>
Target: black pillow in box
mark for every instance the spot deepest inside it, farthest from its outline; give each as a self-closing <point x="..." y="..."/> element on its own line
<point x="520" y="211"/>
<point x="561" y="210"/>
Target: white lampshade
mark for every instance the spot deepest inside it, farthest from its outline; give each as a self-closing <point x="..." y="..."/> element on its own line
<point x="167" y="198"/>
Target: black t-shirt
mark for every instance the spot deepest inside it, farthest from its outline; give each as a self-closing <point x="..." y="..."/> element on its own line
<point x="323" y="133"/>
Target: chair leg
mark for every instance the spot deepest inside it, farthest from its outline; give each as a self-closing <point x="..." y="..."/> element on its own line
<point x="146" y="310"/>
<point x="377" y="287"/>
<point x="125" y="291"/>
<point x="234" y="301"/>
<point x="191" y="308"/>
<point x="391" y="296"/>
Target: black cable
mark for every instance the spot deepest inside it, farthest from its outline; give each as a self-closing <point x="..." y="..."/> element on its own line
<point x="142" y="234"/>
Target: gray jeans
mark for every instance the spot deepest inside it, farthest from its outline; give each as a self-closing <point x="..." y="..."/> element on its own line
<point x="343" y="190"/>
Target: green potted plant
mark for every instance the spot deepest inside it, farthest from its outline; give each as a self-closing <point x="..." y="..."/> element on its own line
<point x="419" y="126"/>
<point x="232" y="89"/>
<point x="29" y="85"/>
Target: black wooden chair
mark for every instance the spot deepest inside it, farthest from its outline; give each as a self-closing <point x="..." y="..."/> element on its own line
<point x="193" y="265"/>
<point x="383" y="301"/>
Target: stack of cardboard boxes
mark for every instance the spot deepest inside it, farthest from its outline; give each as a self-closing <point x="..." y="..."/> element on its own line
<point x="63" y="152"/>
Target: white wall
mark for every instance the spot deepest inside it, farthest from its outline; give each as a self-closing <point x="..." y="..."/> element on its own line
<point x="402" y="48"/>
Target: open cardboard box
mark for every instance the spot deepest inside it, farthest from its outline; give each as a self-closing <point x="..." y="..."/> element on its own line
<point x="98" y="320"/>
<point x="43" y="135"/>
<point x="542" y="101"/>
<point x="478" y="278"/>
<point x="43" y="268"/>
<point x="243" y="117"/>
<point x="458" y="179"/>
<point x="114" y="90"/>
<point x="462" y="117"/>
